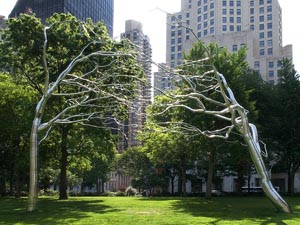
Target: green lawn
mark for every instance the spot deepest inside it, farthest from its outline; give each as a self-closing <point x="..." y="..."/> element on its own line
<point x="156" y="211"/>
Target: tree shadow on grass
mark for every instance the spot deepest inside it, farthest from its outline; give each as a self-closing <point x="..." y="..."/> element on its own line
<point x="50" y="210"/>
<point x="259" y="210"/>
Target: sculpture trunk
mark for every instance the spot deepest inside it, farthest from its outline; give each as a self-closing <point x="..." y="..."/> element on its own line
<point x="266" y="184"/>
<point x="33" y="180"/>
<point x="33" y="165"/>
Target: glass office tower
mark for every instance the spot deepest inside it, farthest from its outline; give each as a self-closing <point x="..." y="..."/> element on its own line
<point x="82" y="9"/>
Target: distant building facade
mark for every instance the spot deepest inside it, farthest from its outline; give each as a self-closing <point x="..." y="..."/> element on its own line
<point x="82" y="9"/>
<point x="136" y="118"/>
<point x="256" y="24"/>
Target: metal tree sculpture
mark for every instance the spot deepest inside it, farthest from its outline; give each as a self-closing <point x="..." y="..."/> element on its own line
<point x="96" y="85"/>
<point x="211" y="95"/>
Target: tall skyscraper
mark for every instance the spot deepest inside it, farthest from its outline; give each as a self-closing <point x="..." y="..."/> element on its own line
<point x="256" y="24"/>
<point x="136" y="119"/>
<point x="97" y="10"/>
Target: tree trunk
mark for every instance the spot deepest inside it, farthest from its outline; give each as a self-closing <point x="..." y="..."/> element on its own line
<point x="183" y="171"/>
<point x="240" y="179"/>
<point x="63" y="186"/>
<point x="211" y="165"/>
<point x="2" y="186"/>
<point x="180" y="184"/>
<point x="291" y="182"/>
<point x="172" y="185"/>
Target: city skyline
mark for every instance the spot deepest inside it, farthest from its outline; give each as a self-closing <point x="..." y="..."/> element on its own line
<point x="152" y="17"/>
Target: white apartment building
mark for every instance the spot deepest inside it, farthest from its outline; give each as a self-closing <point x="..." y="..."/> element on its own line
<point x="256" y="24"/>
<point x="136" y="117"/>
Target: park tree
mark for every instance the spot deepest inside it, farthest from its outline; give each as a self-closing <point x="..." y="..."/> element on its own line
<point x="134" y="162"/>
<point x="286" y="133"/>
<point x="78" y="70"/>
<point x="16" y="112"/>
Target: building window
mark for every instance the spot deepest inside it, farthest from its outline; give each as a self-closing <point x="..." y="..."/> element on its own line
<point x="269" y="1"/>
<point x="187" y="15"/>
<point x="172" y="56"/>
<point x="231" y="3"/>
<point x="261" y="2"/>
<point x="231" y="27"/>
<point x="173" y="49"/>
<point x="279" y="64"/>
<point x="199" y="35"/>
<point x="212" y="13"/>
<point x="270" y="51"/>
<point x="199" y="10"/>
<point x="224" y="19"/>
<point x="261" y="18"/>
<point x="179" y="40"/>
<point x="224" y="3"/>
<point x="231" y="19"/>
<point x="199" y="2"/>
<point x="269" y="17"/>
<point x="212" y="30"/>
<point x="270" y="43"/>
<point x="262" y="52"/>
<point x="261" y="35"/>
<point x="199" y="18"/>
<point x="251" y="19"/>
<point x="262" y="26"/>
<point x="212" y="5"/>
<point x="238" y="19"/>
<point x="199" y="26"/>
<point x="187" y="37"/>
<point x="173" y="34"/>
<point x="271" y="64"/>
<point x="262" y="44"/>
<point x="205" y="8"/>
<point x="224" y="28"/>
<point x="251" y="11"/>
<point x="231" y="11"/>
<point x="179" y="48"/>
<point x="269" y="8"/>
<point x="205" y="33"/>
<point x="269" y="25"/>
<point x="270" y="34"/>
<point x="256" y="64"/>
<point x="179" y="32"/>
<point x="172" y="41"/>
<point x="252" y="27"/>
<point x="234" y="48"/>
<point x="252" y="3"/>
<point x="224" y="11"/>
<point x="179" y="55"/>
<point x="261" y="10"/>
<point x="173" y="19"/>
<point x="205" y="16"/>
<point x="238" y="11"/>
<point x="238" y="3"/>
<point x="205" y="1"/>
<point x="205" y="24"/>
<point x="271" y="73"/>
<point x="180" y="17"/>
<point x="212" y="22"/>
<point x="238" y="28"/>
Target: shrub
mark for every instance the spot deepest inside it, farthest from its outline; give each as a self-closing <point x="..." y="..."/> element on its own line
<point x="130" y="191"/>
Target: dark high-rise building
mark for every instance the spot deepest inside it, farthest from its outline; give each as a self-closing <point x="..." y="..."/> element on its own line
<point x="96" y="9"/>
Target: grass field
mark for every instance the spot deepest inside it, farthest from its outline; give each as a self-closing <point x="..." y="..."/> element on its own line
<point x="144" y="211"/>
